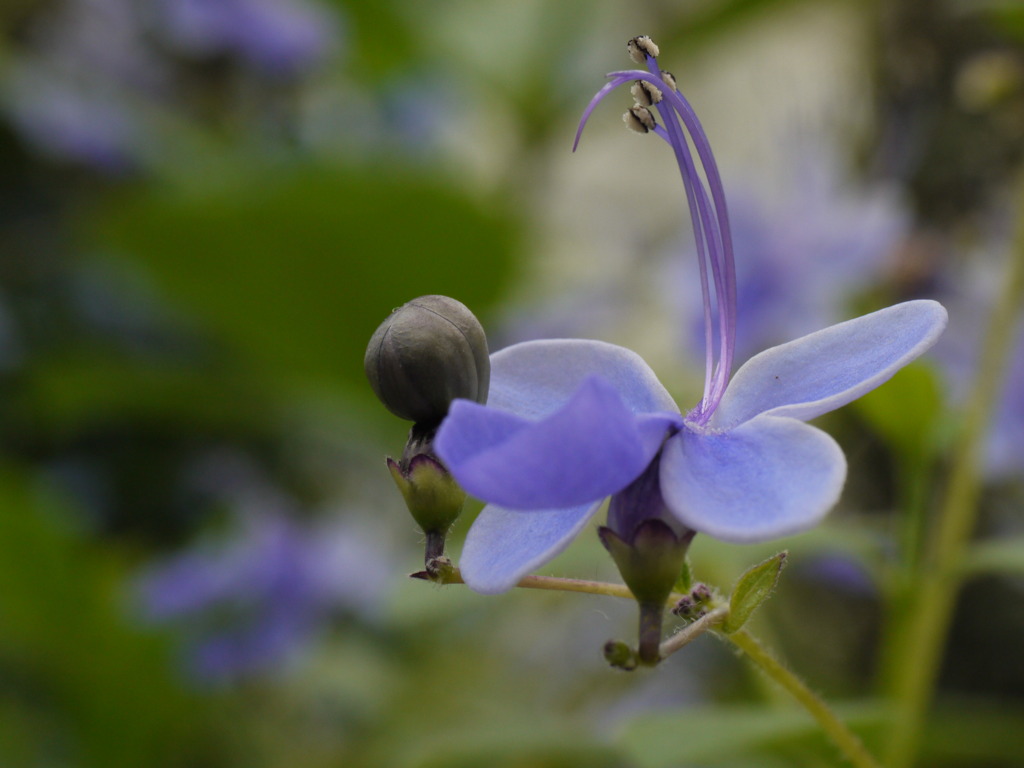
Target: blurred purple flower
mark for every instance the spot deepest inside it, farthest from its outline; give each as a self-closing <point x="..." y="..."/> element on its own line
<point x="72" y="123"/>
<point x="69" y="90"/>
<point x="969" y="293"/>
<point x="275" y="37"/>
<point x="805" y="251"/>
<point x="570" y="422"/>
<point x="841" y="572"/>
<point x="251" y="603"/>
<point x="88" y="85"/>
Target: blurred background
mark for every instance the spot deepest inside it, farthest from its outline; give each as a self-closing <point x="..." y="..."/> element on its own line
<point x="207" y="207"/>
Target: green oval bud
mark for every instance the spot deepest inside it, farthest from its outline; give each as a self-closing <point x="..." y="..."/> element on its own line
<point x="424" y="355"/>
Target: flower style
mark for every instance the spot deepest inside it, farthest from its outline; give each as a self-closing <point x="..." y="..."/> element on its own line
<point x="570" y="422"/>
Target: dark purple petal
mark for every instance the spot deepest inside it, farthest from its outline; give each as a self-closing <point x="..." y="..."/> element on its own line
<point x="591" y="447"/>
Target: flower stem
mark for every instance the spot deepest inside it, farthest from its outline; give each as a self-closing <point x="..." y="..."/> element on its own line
<point x="649" y="645"/>
<point x="691" y="632"/>
<point x="847" y="742"/>
<point x="452" y="575"/>
<point x="434" y="547"/>
<point x="923" y="613"/>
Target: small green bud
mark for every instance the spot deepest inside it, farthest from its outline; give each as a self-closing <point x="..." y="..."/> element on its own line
<point x="433" y="497"/>
<point x="650" y="564"/>
<point x="620" y="655"/>
<point x="424" y="355"/>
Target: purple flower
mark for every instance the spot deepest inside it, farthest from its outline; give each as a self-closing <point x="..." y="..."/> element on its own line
<point x="570" y="422"/>
<point x="817" y="242"/>
<point x="70" y="122"/>
<point x="969" y="293"/>
<point x="251" y="603"/>
<point x="280" y="37"/>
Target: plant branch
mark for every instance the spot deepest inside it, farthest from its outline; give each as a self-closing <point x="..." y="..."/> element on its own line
<point x="919" y="637"/>
<point x="451" y="575"/>
<point x="845" y="739"/>
<point x="692" y="631"/>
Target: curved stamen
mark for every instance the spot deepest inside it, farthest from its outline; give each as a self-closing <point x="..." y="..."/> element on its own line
<point x="697" y="202"/>
<point x="709" y="214"/>
<point x="617" y="80"/>
<point x="698" y="209"/>
<point x="727" y="292"/>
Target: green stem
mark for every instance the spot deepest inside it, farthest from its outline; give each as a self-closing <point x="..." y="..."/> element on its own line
<point x="919" y="637"/>
<point x="847" y="742"/>
<point x="692" y="631"/>
<point x="649" y="645"/>
<point x="452" y="575"/>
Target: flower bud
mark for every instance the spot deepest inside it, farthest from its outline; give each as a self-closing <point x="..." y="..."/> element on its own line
<point x="424" y="355"/>
<point x="433" y="497"/>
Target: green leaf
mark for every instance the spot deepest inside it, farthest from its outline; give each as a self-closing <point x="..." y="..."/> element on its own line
<point x="84" y="675"/>
<point x="753" y="588"/>
<point x="907" y="411"/>
<point x="294" y="269"/>
<point x="685" y="581"/>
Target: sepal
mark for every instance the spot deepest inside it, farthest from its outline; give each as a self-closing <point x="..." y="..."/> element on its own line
<point x="433" y="497"/>
<point x="651" y="563"/>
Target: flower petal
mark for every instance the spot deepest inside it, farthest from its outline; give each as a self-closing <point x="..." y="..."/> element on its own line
<point x="767" y="478"/>
<point x="588" y="449"/>
<point x="536" y="378"/>
<point x="504" y="545"/>
<point x="827" y="369"/>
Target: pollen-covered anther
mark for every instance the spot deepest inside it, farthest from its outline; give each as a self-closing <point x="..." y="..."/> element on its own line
<point x="669" y="79"/>
<point x="640" y="48"/>
<point x="639" y="119"/>
<point x="646" y="95"/>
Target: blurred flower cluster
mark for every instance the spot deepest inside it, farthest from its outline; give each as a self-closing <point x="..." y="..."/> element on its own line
<point x="99" y="78"/>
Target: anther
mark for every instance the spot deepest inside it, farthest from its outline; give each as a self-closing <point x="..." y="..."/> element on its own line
<point x="639" y="119"/>
<point x="645" y="94"/>
<point x="640" y="48"/>
<point x="670" y="80"/>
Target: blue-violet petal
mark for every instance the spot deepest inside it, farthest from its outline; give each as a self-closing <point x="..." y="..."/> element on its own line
<point x="504" y="545"/>
<point x="829" y="368"/>
<point x="536" y="378"/>
<point x="767" y="478"/>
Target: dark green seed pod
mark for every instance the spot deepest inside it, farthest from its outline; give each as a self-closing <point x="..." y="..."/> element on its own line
<point x="424" y="355"/>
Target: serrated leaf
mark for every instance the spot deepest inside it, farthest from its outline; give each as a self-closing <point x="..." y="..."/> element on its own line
<point x="753" y="588"/>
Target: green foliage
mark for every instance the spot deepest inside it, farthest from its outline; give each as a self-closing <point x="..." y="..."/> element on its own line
<point x="295" y="269"/>
<point x="907" y="411"/>
<point x="84" y="687"/>
<point x="753" y="588"/>
<point x="685" y="581"/>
